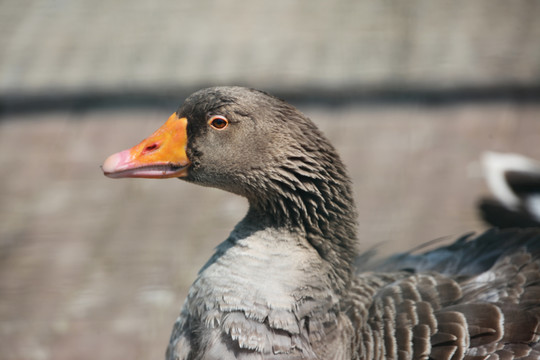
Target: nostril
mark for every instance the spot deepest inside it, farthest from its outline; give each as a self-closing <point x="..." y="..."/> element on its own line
<point x="150" y="148"/>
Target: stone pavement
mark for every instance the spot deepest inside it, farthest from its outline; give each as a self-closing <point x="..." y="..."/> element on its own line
<point x="129" y="45"/>
<point x="95" y="268"/>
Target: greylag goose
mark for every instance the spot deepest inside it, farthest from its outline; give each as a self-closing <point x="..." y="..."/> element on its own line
<point x="284" y="284"/>
<point x="514" y="181"/>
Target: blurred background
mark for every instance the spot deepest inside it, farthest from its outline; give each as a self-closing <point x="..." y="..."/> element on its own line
<point x="411" y="93"/>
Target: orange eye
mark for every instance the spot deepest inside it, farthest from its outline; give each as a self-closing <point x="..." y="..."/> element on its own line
<point x="218" y="122"/>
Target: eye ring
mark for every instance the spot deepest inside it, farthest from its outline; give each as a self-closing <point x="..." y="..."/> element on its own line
<point x="218" y="122"/>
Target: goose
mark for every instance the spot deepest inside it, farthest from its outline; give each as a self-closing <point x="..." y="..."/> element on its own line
<point x="288" y="283"/>
<point x="514" y="181"/>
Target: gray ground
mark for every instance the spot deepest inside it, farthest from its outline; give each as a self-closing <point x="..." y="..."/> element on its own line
<point x="83" y="45"/>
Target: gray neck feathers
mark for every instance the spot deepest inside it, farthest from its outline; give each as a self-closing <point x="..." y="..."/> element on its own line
<point x="310" y="194"/>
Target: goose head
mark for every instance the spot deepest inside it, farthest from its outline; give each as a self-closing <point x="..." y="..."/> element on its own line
<point x="239" y="140"/>
<point x="255" y="145"/>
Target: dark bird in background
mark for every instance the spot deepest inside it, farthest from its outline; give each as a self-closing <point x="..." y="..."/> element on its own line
<point x="514" y="181"/>
<point x="284" y="284"/>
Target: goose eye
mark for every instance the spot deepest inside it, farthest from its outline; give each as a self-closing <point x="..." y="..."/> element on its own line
<point x="218" y="122"/>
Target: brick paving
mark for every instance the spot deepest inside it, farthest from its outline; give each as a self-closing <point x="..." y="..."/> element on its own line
<point x="82" y="45"/>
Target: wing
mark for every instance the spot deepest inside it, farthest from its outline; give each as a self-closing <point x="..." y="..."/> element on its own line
<point x="493" y="313"/>
<point x="468" y="256"/>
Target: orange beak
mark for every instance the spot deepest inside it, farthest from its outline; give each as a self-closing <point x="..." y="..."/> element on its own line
<point x="162" y="155"/>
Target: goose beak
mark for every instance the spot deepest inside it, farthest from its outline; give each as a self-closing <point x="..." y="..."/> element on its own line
<point x="162" y="155"/>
